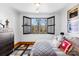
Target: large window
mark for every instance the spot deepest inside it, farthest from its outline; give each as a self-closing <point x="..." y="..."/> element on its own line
<point x="38" y="25"/>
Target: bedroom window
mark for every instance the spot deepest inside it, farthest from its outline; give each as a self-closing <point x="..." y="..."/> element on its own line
<point x="38" y="25"/>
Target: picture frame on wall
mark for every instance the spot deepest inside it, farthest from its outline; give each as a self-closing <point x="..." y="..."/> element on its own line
<point x="73" y="20"/>
<point x="72" y="13"/>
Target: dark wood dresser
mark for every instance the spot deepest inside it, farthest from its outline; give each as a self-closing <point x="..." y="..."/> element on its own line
<point x="6" y="43"/>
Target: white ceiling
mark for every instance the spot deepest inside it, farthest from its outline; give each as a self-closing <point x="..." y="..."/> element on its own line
<point x="43" y="8"/>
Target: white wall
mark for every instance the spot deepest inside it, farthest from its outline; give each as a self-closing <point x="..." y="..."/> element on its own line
<point x="63" y="15"/>
<point x="37" y="37"/>
<point x="8" y="13"/>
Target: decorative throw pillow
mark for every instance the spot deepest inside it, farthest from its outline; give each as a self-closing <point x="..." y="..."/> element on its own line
<point x="65" y="45"/>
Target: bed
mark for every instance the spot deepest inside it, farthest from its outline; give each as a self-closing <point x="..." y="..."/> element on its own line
<point x="51" y="47"/>
<point x="46" y="48"/>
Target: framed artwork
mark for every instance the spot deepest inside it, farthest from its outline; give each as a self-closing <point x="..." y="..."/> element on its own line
<point x="72" y="13"/>
<point x="73" y="20"/>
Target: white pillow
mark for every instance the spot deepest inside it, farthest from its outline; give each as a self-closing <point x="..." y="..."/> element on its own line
<point x="56" y="41"/>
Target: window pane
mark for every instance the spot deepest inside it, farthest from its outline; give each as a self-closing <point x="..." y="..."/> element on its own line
<point x="26" y="21"/>
<point x="35" y="26"/>
<point x="43" y="26"/>
<point x="34" y="21"/>
<point x="39" y="25"/>
<point x="51" y="21"/>
<point x="26" y="29"/>
<point x="50" y="29"/>
<point x="73" y="26"/>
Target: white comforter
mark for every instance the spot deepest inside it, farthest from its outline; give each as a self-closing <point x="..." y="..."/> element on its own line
<point x="46" y="48"/>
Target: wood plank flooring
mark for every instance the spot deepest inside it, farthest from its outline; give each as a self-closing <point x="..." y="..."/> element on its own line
<point x="22" y="49"/>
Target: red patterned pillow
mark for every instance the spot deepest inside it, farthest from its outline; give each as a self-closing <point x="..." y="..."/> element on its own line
<point x="65" y="45"/>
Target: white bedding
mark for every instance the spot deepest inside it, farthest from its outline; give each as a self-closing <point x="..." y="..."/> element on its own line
<point x="42" y="48"/>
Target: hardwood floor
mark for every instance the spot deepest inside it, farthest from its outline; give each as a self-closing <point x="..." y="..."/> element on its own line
<point x="22" y="48"/>
<point x="23" y="43"/>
